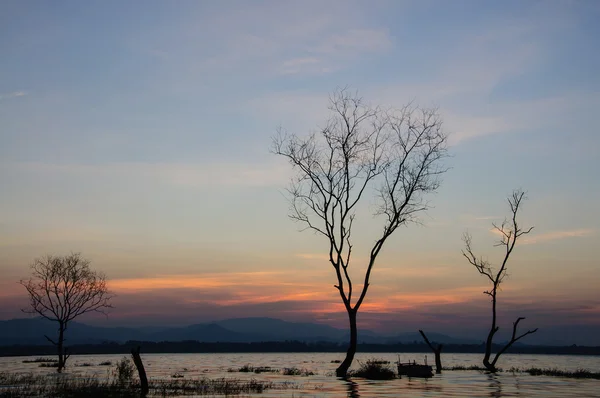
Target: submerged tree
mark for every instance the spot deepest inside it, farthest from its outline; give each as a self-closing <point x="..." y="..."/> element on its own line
<point x="63" y="288"/>
<point x="509" y="232"/>
<point x="437" y="351"/>
<point x="391" y="155"/>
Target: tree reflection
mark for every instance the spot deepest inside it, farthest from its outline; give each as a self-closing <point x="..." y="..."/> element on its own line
<point x="352" y="389"/>
<point x="495" y="385"/>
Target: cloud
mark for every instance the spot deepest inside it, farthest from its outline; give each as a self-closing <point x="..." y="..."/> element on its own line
<point x="307" y="65"/>
<point x="268" y="40"/>
<point x="14" y="94"/>
<point x="182" y="174"/>
<point x="557" y="235"/>
<point x="313" y="256"/>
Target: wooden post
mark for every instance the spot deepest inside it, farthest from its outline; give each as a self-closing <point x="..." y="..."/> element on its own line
<point x="137" y="360"/>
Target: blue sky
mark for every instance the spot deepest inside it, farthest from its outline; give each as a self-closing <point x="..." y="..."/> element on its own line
<point x="138" y="133"/>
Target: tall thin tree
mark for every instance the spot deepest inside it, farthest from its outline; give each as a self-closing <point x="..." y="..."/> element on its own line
<point x="509" y="232"/>
<point x="60" y="289"/>
<point x="393" y="155"/>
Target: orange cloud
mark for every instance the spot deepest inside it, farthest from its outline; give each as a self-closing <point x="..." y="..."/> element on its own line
<point x="205" y="281"/>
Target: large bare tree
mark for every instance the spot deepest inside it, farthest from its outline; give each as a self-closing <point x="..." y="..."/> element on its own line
<point x="60" y="289"/>
<point x="509" y="232"/>
<point x="391" y="156"/>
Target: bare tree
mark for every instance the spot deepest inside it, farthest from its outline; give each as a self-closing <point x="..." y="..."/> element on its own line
<point x="437" y="351"/>
<point x="509" y="232"/>
<point x="63" y="288"/>
<point x="393" y="155"/>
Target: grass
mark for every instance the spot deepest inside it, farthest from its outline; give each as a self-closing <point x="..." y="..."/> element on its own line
<point x="373" y="369"/>
<point x="463" y="367"/>
<point x="39" y="360"/>
<point x="48" y="365"/>
<point x="577" y="374"/>
<point x="380" y="361"/>
<point x="255" y="369"/>
<point x="296" y="372"/>
<point x="30" y="385"/>
<point x="105" y="363"/>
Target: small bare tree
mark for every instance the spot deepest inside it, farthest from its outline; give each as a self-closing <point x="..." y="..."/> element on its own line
<point x="63" y="288"/>
<point x="509" y="232"/>
<point x="362" y="150"/>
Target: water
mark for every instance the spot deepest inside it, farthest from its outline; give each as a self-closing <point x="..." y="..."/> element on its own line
<point x="324" y="384"/>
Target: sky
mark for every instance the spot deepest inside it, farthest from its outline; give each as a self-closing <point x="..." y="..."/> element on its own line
<point x="138" y="133"/>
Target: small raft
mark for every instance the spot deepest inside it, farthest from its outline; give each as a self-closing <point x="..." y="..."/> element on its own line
<point x="414" y="370"/>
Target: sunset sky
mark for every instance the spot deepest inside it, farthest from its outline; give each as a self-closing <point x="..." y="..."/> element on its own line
<point x="138" y="134"/>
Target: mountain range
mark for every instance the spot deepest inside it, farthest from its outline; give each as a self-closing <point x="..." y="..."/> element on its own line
<point x="31" y="331"/>
<point x="241" y="330"/>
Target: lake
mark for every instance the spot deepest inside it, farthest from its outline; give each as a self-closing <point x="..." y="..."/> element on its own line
<point x="323" y="384"/>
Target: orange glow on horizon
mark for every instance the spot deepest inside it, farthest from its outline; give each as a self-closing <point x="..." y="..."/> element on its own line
<point x="232" y="289"/>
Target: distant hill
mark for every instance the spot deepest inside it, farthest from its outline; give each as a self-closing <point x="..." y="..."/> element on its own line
<point x="209" y="333"/>
<point x="31" y="331"/>
<point x="271" y="329"/>
<point x="410" y="337"/>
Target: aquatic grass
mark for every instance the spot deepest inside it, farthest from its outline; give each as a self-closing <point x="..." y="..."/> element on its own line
<point x="30" y="385"/>
<point x="255" y="369"/>
<point x="296" y="372"/>
<point x="577" y="374"/>
<point x="471" y="367"/>
<point x="39" y="360"/>
<point x="373" y="369"/>
<point x="380" y="361"/>
<point x="48" y="365"/>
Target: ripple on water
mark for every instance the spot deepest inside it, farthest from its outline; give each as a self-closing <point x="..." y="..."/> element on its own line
<point x="323" y="384"/>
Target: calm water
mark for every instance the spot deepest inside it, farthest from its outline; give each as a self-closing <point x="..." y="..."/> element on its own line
<point x="323" y="384"/>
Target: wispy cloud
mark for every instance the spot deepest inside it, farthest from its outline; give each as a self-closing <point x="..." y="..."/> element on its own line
<point x="488" y="218"/>
<point x="313" y="256"/>
<point x="183" y="174"/>
<point x="14" y="94"/>
<point x="557" y="235"/>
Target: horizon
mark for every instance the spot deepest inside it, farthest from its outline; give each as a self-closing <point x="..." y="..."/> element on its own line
<point x="259" y="329"/>
<point x="140" y="136"/>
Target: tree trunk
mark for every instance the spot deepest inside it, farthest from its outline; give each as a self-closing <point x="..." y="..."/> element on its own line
<point x="438" y="359"/>
<point x="488" y="344"/>
<point x="137" y="360"/>
<point x="436" y="350"/>
<point x="342" y="370"/>
<point x="60" y="345"/>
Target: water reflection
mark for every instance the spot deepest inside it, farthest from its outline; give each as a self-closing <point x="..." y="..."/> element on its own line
<point x="425" y="385"/>
<point x="352" y="389"/>
<point x="495" y="385"/>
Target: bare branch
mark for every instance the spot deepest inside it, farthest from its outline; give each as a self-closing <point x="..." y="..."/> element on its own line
<point x="362" y="150"/>
<point x="63" y="288"/>
<point x="509" y="232"/>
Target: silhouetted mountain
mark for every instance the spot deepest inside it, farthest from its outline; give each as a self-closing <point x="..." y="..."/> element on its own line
<point x="271" y="329"/>
<point x="31" y="331"/>
<point x="209" y="333"/>
<point x="410" y="337"/>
